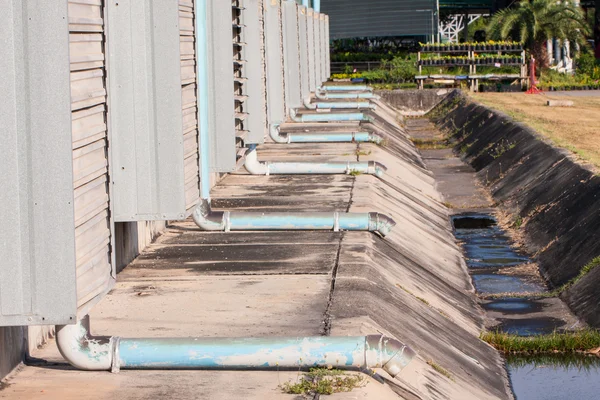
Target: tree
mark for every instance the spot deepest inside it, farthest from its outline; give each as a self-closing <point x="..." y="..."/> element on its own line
<point x="532" y="22"/>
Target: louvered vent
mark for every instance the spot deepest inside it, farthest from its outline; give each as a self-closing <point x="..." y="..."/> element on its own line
<point x="189" y="103"/>
<point x="90" y="160"/>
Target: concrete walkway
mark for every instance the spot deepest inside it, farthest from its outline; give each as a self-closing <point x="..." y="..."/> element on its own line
<point x="412" y="285"/>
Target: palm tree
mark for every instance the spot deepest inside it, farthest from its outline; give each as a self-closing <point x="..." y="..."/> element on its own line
<point x="532" y="22"/>
<point x="597" y="30"/>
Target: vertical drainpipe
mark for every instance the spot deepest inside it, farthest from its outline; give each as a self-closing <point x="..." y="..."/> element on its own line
<point x="203" y="81"/>
<point x="306" y="3"/>
<point x="317" y="5"/>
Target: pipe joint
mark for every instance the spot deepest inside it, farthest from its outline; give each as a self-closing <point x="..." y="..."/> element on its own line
<point x="209" y="220"/>
<point x="380" y="223"/>
<point x="82" y="350"/>
<point x="387" y="353"/>
<point x="376" y="168"/>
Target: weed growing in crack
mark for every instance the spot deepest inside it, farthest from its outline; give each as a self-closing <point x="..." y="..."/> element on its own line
<point x="324" y="381"/>
<point x="440" y="369"/>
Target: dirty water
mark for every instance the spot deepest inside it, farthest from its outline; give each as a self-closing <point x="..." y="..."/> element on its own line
<point x="555" y="378"/>
<point x="487" y="249"/>
<point x="490" y="258"/>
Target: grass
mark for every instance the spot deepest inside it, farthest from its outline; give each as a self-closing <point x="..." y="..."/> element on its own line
<point x="432" y="144"/>
<point x="518" y="222"/>
<point x="440" y="369"/>
<point x="574" y="128"/>
<point x="324" y="381"/>
<point x="354" y="172"/>
<point x="563" y="342"/>
<point x="362" y="152"/>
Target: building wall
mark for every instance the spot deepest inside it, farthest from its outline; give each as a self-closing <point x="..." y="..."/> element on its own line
<point x="359" y="18"/>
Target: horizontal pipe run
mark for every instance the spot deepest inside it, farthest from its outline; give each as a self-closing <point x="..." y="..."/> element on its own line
<point x="256" y="167"/>
<point x="346" y="88"/>
<point x="104" y="353"/>
<point x="339" y="105"/>
<point x="346" y="96"/>
<point x="330" y="117"/>
<point x="323" y="137"/>
<point x="227" y="221"/>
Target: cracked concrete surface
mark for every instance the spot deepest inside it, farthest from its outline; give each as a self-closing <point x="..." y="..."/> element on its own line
<point x="412" y="285"/>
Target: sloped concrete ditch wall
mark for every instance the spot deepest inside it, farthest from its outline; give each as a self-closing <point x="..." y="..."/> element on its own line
<point x="414" y="102"/>
<point x="557" y="198"/>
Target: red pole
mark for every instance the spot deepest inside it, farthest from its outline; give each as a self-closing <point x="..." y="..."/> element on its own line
<point x="533" y="89"/>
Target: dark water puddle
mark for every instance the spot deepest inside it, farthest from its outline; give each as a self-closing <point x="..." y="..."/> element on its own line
<point x="514" y="306"/>
<point x="530" y="326"/>
<point x="555" y="377"/>
<point x="488" y="247"/>
<point x="495" y="283"/>
<point x="485" y="244"/>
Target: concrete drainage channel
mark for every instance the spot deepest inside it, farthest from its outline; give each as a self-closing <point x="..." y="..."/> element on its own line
<point x="511" y="290"/>
<point x="495" y="269"/>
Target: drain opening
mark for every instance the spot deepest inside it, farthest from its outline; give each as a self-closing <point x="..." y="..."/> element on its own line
<point x="478" y="221"/>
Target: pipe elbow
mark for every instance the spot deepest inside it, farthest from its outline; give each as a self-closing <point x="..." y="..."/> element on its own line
<point x="276" y="135"/>
<point x="373" y="138"/>
<point x="377" y="169"/>
<point x="309" y="105"/>
<point x="208" y="220"/>
<point x="380" y="223"/>
<point x="387" y="353"/>
<point x="252" y="165"/>
<point x="368" y="118"/>
<point x="294" y="116"/>
<point x="82" y="350"/>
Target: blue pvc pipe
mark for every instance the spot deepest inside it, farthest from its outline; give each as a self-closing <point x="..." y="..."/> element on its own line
<point x="202" y="93"/>
<point x="346" y="88"/>
<point x="317" y="5"/>
<point x="249" y="221"/>
<point x="325" y="137"/>
<point x="243" y="353"/>
<point x="344" y="104"/>
<point x="330" y="95"/>
<point x="331" y="117"/>
<point x="306" y="3"/>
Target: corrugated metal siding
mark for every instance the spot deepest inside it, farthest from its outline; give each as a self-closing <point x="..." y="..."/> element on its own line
<point x="221" y="99"/>
<point x="318" y="61"/>
<point x="254" y="71"/>
<point x="276" y="106"/>
<point x="37" y="242"/>
<point x="187" y="50"/>
<point x="303" y="51"/>
<point x="89" y="145"/>
<point x="327" y="48"/>
<point x="147" y="172"/>
<point x="310" y="37"/>
<point x="359" y="18"/>
<point x="291" y="55"/>
<point x="324" y="48"/>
